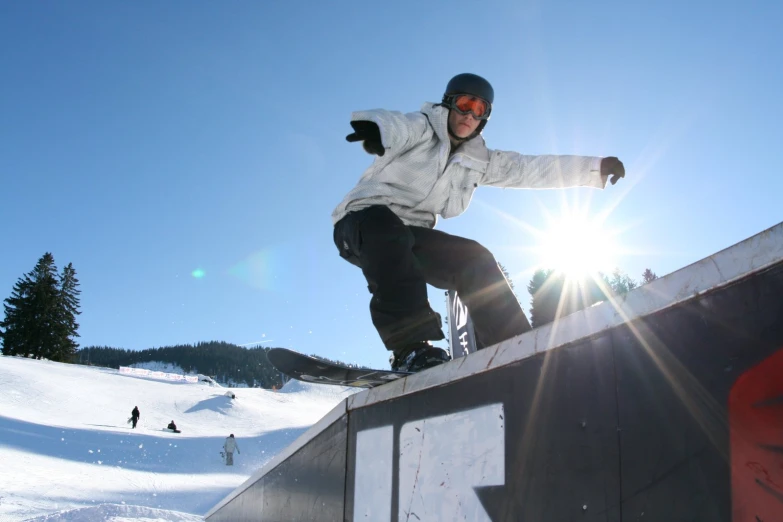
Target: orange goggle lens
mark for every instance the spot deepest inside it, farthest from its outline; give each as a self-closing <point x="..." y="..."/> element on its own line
<point x="465" y="104"/>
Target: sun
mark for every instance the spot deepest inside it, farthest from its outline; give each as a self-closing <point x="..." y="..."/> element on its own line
<point x="577" y="246"/>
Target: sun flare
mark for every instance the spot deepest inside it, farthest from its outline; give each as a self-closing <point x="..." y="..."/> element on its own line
<point x="577" y="246"/>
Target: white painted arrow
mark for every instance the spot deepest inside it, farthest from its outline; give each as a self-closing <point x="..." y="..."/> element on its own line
<point x="373" y="480"/>
<point x="443" y="458"/>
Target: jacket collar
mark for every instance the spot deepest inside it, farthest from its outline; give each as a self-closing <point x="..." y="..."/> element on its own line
<point x="439" y="119"/>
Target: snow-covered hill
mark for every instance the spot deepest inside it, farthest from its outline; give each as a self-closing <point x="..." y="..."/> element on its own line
<point x="68" y="454"/>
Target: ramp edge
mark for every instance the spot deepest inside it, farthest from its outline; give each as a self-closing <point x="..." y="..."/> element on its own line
<point x="334" y="415"/>
<point x="753" y="255"/>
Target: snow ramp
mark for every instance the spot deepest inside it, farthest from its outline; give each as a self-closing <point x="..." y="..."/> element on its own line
<point x="664" y="405"/>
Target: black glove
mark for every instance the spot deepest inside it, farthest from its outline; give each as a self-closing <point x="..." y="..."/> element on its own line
<point x="368" y="132"/>
<point x="611" y="166"/>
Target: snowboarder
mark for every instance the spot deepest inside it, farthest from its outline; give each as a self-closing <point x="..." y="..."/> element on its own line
<point x="229" y="446"/>
<point x="172" y="427"/>
<point x="428" y="164"/>
<point x="135" y="415"/>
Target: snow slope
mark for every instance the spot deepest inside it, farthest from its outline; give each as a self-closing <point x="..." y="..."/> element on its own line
<point x="68" y="454"/>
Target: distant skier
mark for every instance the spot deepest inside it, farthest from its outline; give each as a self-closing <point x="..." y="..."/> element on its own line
<point x="135" y="414"/>
<point x="172" y="427"/>
<point x="429" y="164"/>
<point x="229" y="446"/>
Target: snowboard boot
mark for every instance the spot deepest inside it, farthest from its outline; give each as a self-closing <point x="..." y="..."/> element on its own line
<point x="418" y="356"/>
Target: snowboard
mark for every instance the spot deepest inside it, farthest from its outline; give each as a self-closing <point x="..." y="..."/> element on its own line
<point x="309" y="369"/>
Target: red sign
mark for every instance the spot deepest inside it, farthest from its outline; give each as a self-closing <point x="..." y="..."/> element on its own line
<point x="756" y="426"/>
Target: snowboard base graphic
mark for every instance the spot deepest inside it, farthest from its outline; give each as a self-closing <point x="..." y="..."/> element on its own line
<point x="309" y="369"/>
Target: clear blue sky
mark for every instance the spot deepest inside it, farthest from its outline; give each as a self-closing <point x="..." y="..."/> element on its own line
<point x="141" y="141"/>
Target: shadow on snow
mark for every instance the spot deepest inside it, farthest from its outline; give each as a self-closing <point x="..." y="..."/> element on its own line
<point x="140" y="451"/>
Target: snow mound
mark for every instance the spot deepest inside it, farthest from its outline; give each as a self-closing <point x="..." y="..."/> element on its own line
<point x="117" y="513"/>
<point x="208" y="380"/>
<point x="158" y="366"/>
<point x="326" y="390"/>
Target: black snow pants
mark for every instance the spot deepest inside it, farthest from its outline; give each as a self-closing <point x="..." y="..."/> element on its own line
<point x="399" y="261"/>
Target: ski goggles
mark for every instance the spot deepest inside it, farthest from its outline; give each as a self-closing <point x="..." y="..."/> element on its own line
<point x="467" y="104"/>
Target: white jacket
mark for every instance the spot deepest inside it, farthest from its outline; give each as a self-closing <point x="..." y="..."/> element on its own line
<point x="230" y="445"/>
<point x="419" y="179"/>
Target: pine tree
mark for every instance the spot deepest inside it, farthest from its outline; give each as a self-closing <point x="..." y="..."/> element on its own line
<point x="68" y="309"/>
<point x="648" y="276"/>
<point x="545" y="295"/>
<point x="508" y="278"/>
<point x="16" y="327"/>
<point x="555" y="295"/>
<point x="44" y="306"/>
<point x="32" y="312"/>
<point x="506" y="274"/>
<point x="621" y="283"/>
